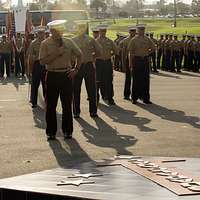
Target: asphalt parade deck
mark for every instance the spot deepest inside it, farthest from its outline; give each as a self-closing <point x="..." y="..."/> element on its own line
<point x="169" y="127"/>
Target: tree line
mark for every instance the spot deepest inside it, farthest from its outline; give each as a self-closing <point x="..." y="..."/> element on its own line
<point x="106" y="8"/>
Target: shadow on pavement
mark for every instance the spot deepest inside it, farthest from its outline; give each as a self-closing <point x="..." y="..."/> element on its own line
<point x="105" y="136"/>
<point x="192" y="74"/>
<point x="40" y="121"/>
<point x="171" y="115"/>
<point x="17" y="82"/>
<point x="68" y="153"/>
<point x="120" y="115"/>
<point x="166" y="75"/>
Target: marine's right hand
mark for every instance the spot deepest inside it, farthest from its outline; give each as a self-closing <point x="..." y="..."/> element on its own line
<point x="131" y="67"/>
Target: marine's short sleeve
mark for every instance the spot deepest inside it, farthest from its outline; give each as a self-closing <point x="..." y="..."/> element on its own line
<point x="131" y="46"/>
<point x="97" y="47"/>
<point x="75" y="49"/>
<point x="43" y="50"/>
<point x="151" y="44"/>
<point x="115" y="48"/>
<point x="30" y="49"/>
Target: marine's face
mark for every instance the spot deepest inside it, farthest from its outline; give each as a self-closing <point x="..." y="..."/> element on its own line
<point x="46" y="34"/>
<point x="56" y="34"/>
<point x="103" y="32"/>
<point x="141" y="31"/>
<point x="95" y="34"/>
<point x="18" y="35"/>
<point x="82" y="29"/>
<point x="132" y="33"/>
<point x="41" y="34"/>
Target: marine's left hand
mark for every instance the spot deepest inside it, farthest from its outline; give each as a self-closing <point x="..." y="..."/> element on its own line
<point x="72" y="73"/>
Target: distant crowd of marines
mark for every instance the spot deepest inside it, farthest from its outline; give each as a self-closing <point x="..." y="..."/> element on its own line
<point x="173" y="52"/>
<point x="13" y="54"/>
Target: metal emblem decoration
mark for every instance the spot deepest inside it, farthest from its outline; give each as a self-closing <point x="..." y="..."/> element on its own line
<point x="85" y="175"/>
<point x="75" y="183"/>
<point x="129" y="157"/>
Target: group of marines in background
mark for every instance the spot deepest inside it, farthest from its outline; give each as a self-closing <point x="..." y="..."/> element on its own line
<point x="172" y="53"/>
<point x="93" y="59"/>
<point x="13" y="55"/>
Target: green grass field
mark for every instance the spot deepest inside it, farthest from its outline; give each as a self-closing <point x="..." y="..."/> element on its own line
<point x="156" y="25"/>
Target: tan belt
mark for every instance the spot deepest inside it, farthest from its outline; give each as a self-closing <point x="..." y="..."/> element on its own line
<point x="61" y="69"/>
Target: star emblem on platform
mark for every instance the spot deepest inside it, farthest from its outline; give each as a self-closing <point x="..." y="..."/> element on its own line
<point x="108" y="162"/>
<point x="85" y="175"/>
<point x="126" y="157"/>
<point x="75" y="183"/>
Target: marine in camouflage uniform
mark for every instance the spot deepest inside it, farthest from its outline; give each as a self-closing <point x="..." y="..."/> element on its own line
<point x="104" y="66"/>
<point x="91" y="49"/>
<point x="176" y="51"/>
<point x="160" y="50"/>
<point x="140" y="47"/>
<point x="198" y="54"/>
<point x="5" y="56"/>
<point x="153" y="54"/>
<point x="36" y="70"/>
<point x="182" y="55"/>
<point x="186" y="60"/>
<point x="128" y="75"/>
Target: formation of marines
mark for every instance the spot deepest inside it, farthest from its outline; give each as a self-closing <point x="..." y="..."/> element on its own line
<point x="61" y="64"/>
<point x="12" y="56"/>
<point x="172" y="53"/>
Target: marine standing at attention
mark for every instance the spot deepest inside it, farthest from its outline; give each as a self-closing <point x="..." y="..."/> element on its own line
<point x="35" y="69"/>
<point x="56" y="53"/>
<point x="140" y="48"/>
<point x="125" y="63"/>
<point x="5" y="54"/>
<point x="91" y="49"/>
<point x="104" y="66"/>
